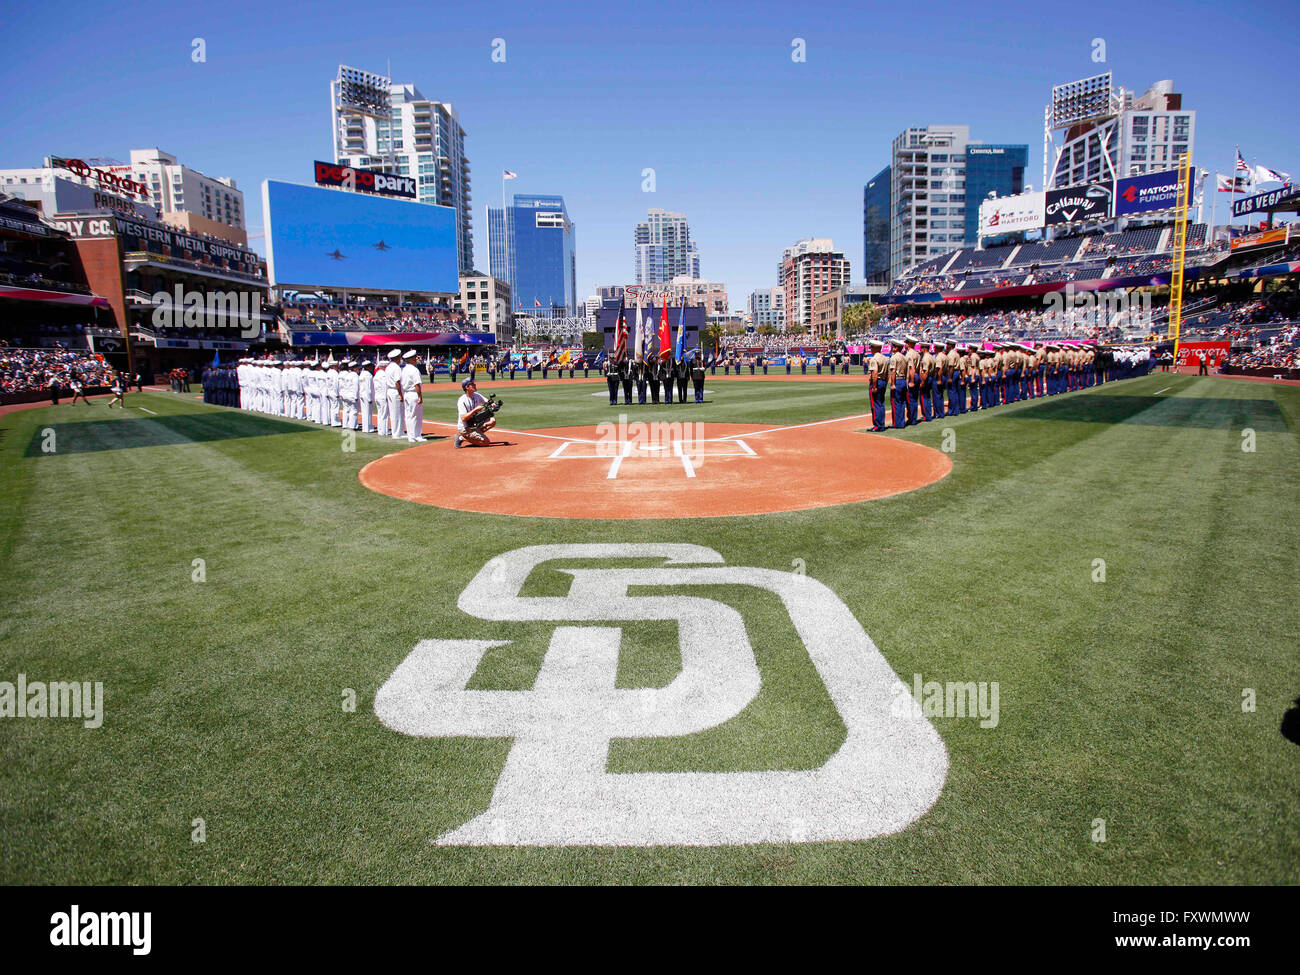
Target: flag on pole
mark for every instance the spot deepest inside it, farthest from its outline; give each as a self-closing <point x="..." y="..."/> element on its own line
<point x="509" y="175"/>
<point x="681" y="332"/>
<point x="1265" y="175"/>
<point x="665" y="333"/>
<point x="1229" y="184"/>
<point x="536" y="303"/>
<point x="620" y="334"/>
<point x="640" y="333"/>
<point x="1242" y="169"/>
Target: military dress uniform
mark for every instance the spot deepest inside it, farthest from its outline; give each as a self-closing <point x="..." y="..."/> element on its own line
<point x="877" y="368"/>
<point x="913" y="372"/>
<point x="898" y="385"/>
<point x="611" y="380"/>
<point x="697" y="378"/>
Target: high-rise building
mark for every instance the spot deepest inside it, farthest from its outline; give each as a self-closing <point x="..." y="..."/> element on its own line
<point x="766" y="306"/>
<point x="664" y="248"/>
<point x="991" y="170"/>
<point x="1110" y="133"/>
<point x="408" y="135"/>
<point x="531" y="248"/>
<point x="932" y="209"/>
<point x="875" y="228"/>
<point x="808" y="269"/>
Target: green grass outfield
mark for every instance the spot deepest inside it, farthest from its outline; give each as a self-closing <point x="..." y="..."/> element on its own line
<point x="1119" y="700"/>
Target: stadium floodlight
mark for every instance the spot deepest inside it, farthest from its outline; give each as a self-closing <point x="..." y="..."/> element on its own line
<point x="1082" y="101"/>
<point x="362" y="93"/>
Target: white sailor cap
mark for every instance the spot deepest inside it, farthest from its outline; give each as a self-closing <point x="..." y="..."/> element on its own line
<point x="410" y="354"/>
<point x="395" y="354"/>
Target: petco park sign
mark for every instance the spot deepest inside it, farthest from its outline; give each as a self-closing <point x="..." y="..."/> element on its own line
<point x="366" y="180"/>
<point x="554" y="789"/>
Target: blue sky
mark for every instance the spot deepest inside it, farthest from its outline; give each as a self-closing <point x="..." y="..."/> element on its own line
<point x="758" y="150"/>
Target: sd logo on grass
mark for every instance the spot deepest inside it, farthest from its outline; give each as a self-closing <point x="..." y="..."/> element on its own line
<point x="554" y="790"/>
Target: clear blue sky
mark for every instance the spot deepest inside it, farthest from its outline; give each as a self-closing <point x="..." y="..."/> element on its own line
<point x="758" y="150"/>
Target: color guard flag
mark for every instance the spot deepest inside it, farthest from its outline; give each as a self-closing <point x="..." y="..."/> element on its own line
<point x="665" y="333"/>
<point x="681" y="332"/>
<point x="640" y="334"/>
<point x="620" y="334"/>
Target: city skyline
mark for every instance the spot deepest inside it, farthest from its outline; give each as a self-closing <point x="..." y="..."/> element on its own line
<point x="567" y="106"/>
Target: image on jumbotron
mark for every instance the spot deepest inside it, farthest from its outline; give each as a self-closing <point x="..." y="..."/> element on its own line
<point x="725" y="445"/>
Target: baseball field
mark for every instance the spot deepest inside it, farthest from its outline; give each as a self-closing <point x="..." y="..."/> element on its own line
<point x="1049" y="643"/>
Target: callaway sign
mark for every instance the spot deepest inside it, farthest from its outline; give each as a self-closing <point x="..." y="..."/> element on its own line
<point x="1090" y="201"/>
<point x="368" y="180"/>
<point x="554" y="790"/>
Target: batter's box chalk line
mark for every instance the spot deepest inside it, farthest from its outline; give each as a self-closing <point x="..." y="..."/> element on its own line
<point x="687" y="451"/>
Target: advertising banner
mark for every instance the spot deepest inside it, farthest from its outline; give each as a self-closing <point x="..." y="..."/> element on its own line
<point x="1286" y="196"/>
<point x="1009" y="214"/>
<point x="1087" y="201"/>
<point x="1148" y="192"/>
<point x="1246" y="241"/>
<point x="1189" y="353"/>
<point x="367" y="180"/>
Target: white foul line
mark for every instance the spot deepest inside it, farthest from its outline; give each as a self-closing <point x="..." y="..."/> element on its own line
<point x="151" y="412"/>
<point x="617" y="462"/>
<point x="686" y="461"/>
<point x="1165" y="390"/>
<point x="797" y="426"/>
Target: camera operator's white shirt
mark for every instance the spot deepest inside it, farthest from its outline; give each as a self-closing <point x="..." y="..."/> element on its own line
<point x="465" y="405"/>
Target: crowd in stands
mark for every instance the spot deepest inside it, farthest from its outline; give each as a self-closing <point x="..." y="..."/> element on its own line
<point x="1135" y="252"/>
<point x="34" y="370"/>
<point x="377" y="322"/>
<point x="40" y="281"/>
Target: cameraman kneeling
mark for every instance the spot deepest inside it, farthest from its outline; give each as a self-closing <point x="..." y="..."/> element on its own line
<point x="468" y="408"/>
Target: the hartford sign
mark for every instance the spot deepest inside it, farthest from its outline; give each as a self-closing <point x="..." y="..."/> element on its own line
<point x="554" y="789"/>
<point x="1009" y="214"/>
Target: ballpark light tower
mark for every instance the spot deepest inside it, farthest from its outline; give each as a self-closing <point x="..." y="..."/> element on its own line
<point x="355" y="96"/>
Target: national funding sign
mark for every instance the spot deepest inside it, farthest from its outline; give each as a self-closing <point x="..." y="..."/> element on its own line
<point x="366" y="180"/>
<point x="1088" y="201"/>
<point x="1148" y="192"/>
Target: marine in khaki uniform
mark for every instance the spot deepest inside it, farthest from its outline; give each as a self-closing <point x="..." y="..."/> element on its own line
<point x="877" y="370"/>
<point x="898" y="371"/>
<point x="925" y="383"/>
<point x="913" y="371"/>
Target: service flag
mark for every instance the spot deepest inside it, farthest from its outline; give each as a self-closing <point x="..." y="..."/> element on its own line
<point x="665" y="333"/>
<point x="639" y="348"/>
<point x="681" y="332"/>
<point x="620" y="334"/>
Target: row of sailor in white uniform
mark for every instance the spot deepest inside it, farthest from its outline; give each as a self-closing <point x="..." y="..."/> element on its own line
<point x="373" y="397"/>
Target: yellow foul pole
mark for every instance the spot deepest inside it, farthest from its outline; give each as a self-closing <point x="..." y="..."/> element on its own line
<point x="1180" y="251"/>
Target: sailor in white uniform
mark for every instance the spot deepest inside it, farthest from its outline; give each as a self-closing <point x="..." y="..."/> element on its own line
<point x="393" y="390"/>
<point x="348" y="394"/>
<point x="413" y="398"/>
<point x="366" y="395"/>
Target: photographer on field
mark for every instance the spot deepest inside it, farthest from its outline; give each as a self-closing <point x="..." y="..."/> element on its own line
<point x="474" y="416"/>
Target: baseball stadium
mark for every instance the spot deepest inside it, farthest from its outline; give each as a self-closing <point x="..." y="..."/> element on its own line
<point x="987" y="579"/>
